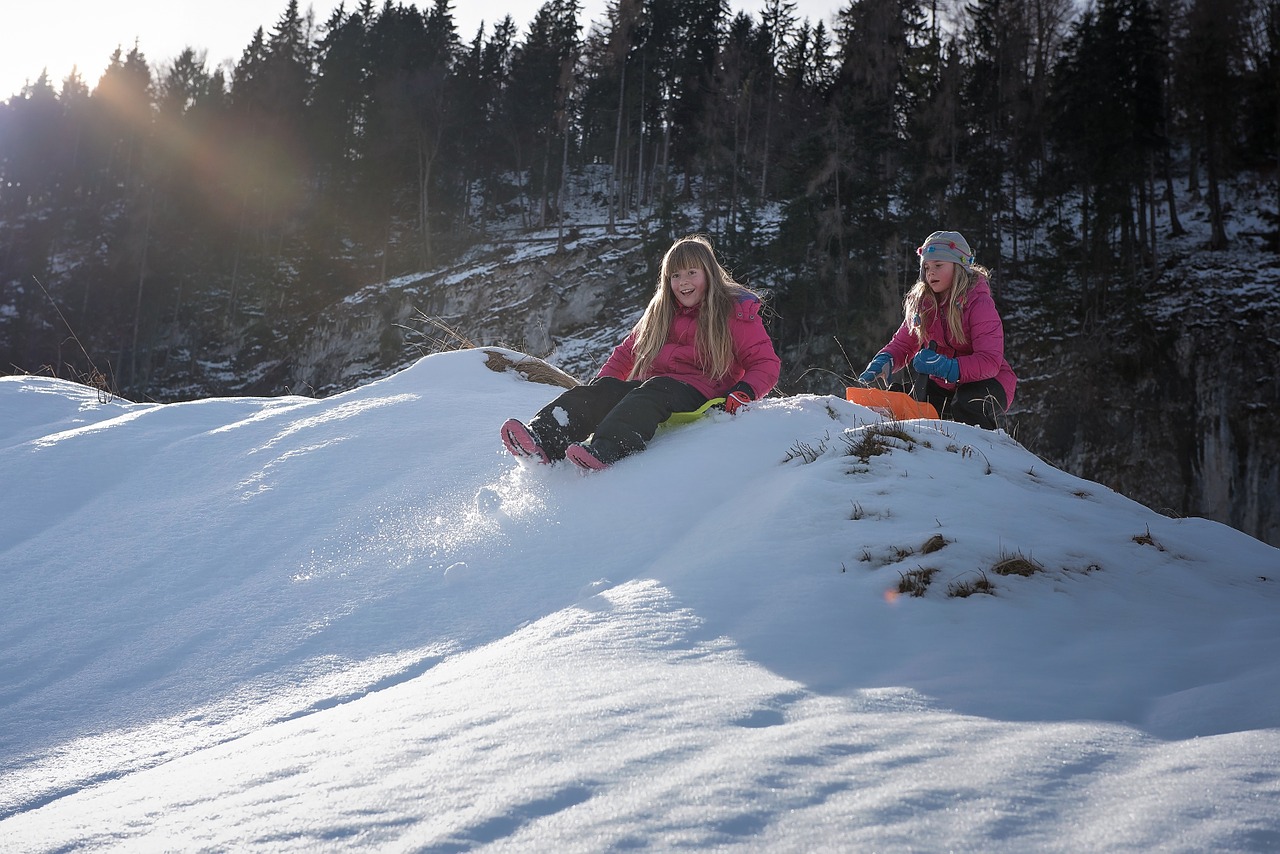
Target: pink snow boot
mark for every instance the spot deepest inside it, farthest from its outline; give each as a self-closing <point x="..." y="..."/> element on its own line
<point x="584" y="458"/>
<point x="522" y="443"/>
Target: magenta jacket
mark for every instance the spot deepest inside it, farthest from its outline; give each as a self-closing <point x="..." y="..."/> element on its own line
<point x="981" y="355"/>
<point x="755" y="361"/>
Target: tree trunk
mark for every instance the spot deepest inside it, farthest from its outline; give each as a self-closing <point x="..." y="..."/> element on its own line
<point x="1175" y="225"/>
<point x="235" y="258"/>
<point x="425" y="163"/>
<point x="768" y="127"/>
<point x="546" y="175"/>
<point x="560" y="195"/>
<point x="142" y="278"/>
<point x="617" y="151"/>
<point x="1217" y="225"/>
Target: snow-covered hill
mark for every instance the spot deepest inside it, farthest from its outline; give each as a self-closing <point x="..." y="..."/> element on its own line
<point x="298" y="624"/>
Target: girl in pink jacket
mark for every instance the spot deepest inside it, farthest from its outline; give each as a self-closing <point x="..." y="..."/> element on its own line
<point x="700" y="338"/>
<point x="951" y="333"/>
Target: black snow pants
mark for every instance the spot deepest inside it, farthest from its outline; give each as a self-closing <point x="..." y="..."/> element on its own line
<point x="979" y="404"/>
<point x="614" y="418"/>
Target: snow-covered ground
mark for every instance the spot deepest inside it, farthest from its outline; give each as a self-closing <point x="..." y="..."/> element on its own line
<point x="296" y="624"/>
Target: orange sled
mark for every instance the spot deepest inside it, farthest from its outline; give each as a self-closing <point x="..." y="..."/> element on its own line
<point x="890" y="404"/>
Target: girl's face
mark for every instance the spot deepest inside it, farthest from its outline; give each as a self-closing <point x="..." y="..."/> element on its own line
<point x="939" y="275"/>
<point x="689" y="285"/>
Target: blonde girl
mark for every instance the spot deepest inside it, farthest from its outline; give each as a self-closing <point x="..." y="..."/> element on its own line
<point x="701" y="337"/>
<point x="952" y="334"/>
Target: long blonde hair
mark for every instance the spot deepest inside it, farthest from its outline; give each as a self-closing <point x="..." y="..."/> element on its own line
<point x="715" y="344"/>
<point x="922" y="300"/>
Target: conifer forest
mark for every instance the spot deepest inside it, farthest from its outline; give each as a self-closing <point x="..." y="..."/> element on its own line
<point x="231" y="202"/>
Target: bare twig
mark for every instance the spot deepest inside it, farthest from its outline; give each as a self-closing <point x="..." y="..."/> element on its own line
<point x="95" y="378"/>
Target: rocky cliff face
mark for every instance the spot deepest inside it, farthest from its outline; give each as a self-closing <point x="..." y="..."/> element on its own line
<point x="1174" y="401"/>
<point x="567" y="308"/>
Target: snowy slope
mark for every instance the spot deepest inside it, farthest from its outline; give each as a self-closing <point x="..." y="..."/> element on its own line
<point x="297" y="624"/>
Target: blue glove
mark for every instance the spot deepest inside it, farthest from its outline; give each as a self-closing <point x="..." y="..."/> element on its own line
<point x="880" y="365"/>
<point x="927" y="361"/>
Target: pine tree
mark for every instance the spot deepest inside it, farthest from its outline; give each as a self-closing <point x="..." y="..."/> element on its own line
<point x="481" y="78"/>
<point x="340" y="100"/>
<point x="778" y="22"/>
<point x="1107" y="121"/>
<point x="866" y="116"/>
<point x="539" y="89"/>
<point x="433" y="90"/>
<point x="30" y="128"/>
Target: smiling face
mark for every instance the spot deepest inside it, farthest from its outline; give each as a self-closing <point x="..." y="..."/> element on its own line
<point x="939" y="275"/>
<point x="688" y="285"/>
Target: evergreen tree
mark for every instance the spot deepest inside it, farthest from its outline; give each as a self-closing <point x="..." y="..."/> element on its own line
<point x="999" y="39"/>
<point x="389" y="167"/>
<point x="542" y="68"/>
<point x="481" y="79"/>
<point x="728" y="131"/>
<point x="340" y="101"/>
<point x="607" y="83"/>
<point x="933" y="136"/>
<point x="1263" y="99"/>
<point x="433" y="90"/>
<point x="31" y="126"/>
<point x="121" y="106"/>
<point x="867" y="116"/>
<point x="778" y="23"/>
<point x="1107" y="124"/>
<point x="1211" y="65"/>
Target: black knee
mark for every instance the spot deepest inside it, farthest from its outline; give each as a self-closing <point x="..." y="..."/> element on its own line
<point x="575" y="414"/>
<point x="631" y="424"/>
<point x="979" y="404"/>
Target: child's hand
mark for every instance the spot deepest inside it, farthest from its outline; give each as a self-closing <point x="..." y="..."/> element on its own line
<point x="935" y="364"/>
<point x="879" y="366"/>
<point x="735" y="399"/>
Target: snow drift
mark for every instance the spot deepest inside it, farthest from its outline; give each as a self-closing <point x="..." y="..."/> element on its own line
<point x="305" y="624"/>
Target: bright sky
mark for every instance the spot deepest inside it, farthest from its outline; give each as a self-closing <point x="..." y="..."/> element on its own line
<point x="356" y="624"/>
<point x="84" y="33"/>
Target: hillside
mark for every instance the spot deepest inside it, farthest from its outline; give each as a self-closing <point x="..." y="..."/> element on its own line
<point x="315" y="624"/>
<point x="1170" y="398"/>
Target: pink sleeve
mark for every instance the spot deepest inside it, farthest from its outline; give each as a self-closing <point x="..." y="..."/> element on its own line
<point x="621" y="360"/>
<point x="902" y="346"/>
<point x="986" y="336"/>
<point x="754" y="352"/>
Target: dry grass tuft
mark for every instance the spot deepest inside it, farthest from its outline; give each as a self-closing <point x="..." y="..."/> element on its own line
<point x="97" y="380"/>
<point x="94" y="378"/>
<point x="915" y="582"/>
<point x="935" y="543"/>
<point x="969" y="451"/>
<point x="436" y="336"/>
<point x="965" y="589"/>
<point x="534" y="370"/>
<point x="875" y="440"/>
<point x="1147" y="540"/>
<point x="806" y="452"/>
<point x="1016" y="565"/>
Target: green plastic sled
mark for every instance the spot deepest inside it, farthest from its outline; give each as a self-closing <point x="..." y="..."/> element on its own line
<point x="678" y="418"/>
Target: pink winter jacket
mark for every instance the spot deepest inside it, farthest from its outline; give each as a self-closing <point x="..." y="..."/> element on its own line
<point x="981" y="354"/>
<point x="754" y="363"/>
